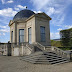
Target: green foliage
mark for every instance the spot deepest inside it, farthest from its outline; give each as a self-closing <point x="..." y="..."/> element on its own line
<point x="56" y="43"/>
<point x="66" y="37"/>
<point x="64" y="48"/>
<point x="59" y="45"/>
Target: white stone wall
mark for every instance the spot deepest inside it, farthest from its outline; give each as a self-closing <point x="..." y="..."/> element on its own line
<point x="20" y="51"/>
<point x="3" y="47"/>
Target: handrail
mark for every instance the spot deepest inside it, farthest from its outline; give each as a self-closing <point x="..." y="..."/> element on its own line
<point x="30" y="47"/>
<point x="40" y="46"/>
<point x="61" y="52"/>
<point x="18" y="44"/>
<point x="1" y="50"/>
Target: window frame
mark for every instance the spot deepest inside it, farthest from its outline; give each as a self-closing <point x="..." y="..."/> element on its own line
<point x="11" y="36"/>
<point x="30" y="35"/>
<point x="42" y="34"/>
<point x="21" y="36"/>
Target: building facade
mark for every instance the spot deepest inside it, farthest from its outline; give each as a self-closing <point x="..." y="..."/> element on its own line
<point x="27" y="26"/>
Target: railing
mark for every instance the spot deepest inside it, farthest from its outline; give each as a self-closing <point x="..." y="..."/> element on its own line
<point x="30" y="47"/>
<point x="58" y="51"/>
<point x="2" y="51"/>
<point x="18" y="44"/>
<point x="61" y="52"/>
<point x="3" y="48"/>
<point x="40" y="46"/>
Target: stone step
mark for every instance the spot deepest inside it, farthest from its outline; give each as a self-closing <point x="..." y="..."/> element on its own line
<point x="58" y="61"/>
<point x="42" y="63"/>
<point x="44" y="58"/>
<point x="29" y="60"/>
<point x="45" y="61"/>
<point x="35" y="62"/>
<point x="48" y="55"/>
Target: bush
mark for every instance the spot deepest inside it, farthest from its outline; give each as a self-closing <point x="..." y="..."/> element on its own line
<point x="56" y="43"/>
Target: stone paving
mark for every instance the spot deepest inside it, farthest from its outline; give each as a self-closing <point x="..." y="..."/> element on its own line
<point x="14" y="64"/>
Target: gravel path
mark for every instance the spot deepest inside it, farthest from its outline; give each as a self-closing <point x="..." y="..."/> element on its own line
<point x="14" y="64"/>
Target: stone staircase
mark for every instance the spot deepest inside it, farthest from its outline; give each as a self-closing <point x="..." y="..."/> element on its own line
<point x="43" y="57"/>
<point x="46" y="55"/>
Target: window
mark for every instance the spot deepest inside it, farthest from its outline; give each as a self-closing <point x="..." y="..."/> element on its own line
<point x="29" y="35"/>
<point x="42" y="33"/>
<point x="12" y="36"/>
<point x="21" y="35"/>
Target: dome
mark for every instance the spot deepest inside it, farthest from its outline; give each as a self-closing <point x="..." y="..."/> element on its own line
<point x="23" y="14"/>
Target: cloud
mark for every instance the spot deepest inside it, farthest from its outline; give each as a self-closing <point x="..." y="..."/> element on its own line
<point x="50" y="11"/>
<point x="68" y="26"/>
<point x="39" y="4"/>
<point x="3" y="1"/>
<point x="10" y="1"/>
<point x="54" y="8"/>
<point x="54" y="35"/>
<point x="4" y="34"/>
<point x="3" y="26"/>
<point x="4" y="29"/>
<point x="44" y="4"/>
<point x="22" y="7"/>
<point x="37" y="11"/>
<point x="59" y="25"/>
<point x="19" y="7"/>
<point x="8" y="12"/>
<point x="0" y="34"/>
<point x="58" y="20"/>
<point x="59" y="29"/>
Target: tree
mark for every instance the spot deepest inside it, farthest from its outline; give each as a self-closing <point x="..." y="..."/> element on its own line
<point x="66" y="37"/>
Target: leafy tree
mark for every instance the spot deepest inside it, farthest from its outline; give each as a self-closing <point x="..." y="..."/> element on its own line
<point x="66" y="37"/>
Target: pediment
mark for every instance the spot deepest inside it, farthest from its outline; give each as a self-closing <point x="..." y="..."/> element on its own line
<point x="10" y="22"/>
<point x="43" y="15"/>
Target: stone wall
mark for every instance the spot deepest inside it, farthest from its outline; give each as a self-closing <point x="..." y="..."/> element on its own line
<point x="3" y="49"/>
<point x="14" y="49"/>
<point x="20" y="49"/>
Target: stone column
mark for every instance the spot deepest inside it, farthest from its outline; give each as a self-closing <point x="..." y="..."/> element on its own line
<point x="15" y="33"/>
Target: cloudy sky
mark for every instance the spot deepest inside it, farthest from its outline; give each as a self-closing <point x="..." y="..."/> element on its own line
<point x="59" y="10"/>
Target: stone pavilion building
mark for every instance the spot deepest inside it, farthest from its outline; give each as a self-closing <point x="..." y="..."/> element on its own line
<point x="30" y="38"/>
<point x="27" y="26"/>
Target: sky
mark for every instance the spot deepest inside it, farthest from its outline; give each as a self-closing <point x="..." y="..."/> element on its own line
<point x="59" y="10"/>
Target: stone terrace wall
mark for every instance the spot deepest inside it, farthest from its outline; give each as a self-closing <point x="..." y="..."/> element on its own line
<point x="5" y="49"/>
<point x="20" y="49"/>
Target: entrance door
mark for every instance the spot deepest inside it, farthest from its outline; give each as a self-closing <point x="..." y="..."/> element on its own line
<point x="29" y="35"/>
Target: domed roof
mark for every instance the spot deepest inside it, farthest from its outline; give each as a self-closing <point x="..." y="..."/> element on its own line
<point x="23" y="14"/>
